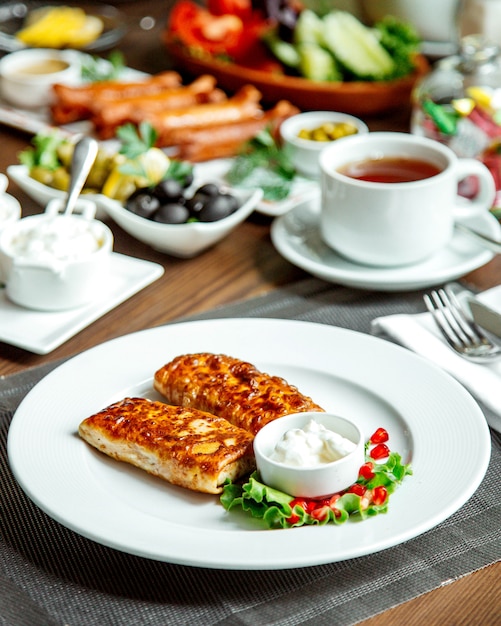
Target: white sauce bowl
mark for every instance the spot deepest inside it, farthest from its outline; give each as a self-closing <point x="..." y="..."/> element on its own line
<point x="54" y="282"/>
<point x="313" y="481"/>
<point x="27" y="76"/>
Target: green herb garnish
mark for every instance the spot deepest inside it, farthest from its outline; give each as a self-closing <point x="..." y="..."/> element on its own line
<point x="136" y="140"/>
<point x="94" y="69"/>
<point x="262" y="163"/>
<point x="43" y="152"/>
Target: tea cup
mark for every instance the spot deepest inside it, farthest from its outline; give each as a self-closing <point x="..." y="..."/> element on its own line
<point x="403" y="214"/>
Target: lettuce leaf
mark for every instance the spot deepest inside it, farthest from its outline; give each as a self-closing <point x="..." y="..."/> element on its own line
<point x="278" y="509"/>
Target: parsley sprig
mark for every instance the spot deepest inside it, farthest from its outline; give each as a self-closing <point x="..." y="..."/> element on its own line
<point x="94" y="69"/>
<point x="262" y="163"/>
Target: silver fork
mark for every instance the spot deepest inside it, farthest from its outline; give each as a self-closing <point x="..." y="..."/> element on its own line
<point x="461" y="333"/>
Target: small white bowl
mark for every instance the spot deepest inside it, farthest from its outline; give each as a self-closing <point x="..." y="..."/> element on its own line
<point x="305" y="153"/>
<point x="182" y="240"/>
<point x="27" y="76"/>
<point x="10" y="209"/>
<point x="46" y="280"/>
<point x="313" y="481"/>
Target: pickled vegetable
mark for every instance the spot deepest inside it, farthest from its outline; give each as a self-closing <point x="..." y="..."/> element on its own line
<point x="329" y="131"/>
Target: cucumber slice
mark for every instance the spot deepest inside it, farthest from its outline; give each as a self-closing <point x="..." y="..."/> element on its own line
<point x="285" y="52"/>
<point x="316" y="63"/>
<point x="309" y="28"/>
<point x="356" y="46"/>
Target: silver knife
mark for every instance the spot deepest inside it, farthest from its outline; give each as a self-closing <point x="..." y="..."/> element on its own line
<point x="485" y="317"/>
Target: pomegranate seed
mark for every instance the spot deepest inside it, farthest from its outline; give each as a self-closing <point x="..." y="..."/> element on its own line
<point x="380" y="436"/>
<point x="357" y="489"/>
<point x="380" y="451"/>
<point x="379" y="495"/>
<point x="333" y="499"/>
<point x="320" y="513"/>
<point x="367" y="471"/>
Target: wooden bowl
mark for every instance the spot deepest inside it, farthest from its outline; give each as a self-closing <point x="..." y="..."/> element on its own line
<point x="359" y="98"/>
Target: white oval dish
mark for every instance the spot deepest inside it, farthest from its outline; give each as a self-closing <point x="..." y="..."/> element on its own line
<point x="182" y="240"/>
<point x="25" y="81"/>
<point x="49" y="282"/>
<point x="310" y="481"/>
<point x="304" y="153"/>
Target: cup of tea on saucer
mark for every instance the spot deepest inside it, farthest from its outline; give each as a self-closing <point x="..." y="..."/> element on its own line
<point x="391" y="199"/>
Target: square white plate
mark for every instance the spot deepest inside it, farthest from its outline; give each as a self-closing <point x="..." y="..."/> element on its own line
<point x="43" y="331"/>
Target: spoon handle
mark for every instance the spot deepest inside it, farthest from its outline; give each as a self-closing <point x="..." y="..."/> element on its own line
<point x="84" y="155"/>
<point x="484" y="240"/>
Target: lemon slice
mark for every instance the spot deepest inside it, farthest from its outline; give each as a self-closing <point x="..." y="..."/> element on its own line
<point x="57" y="27"/>
<point x="155" y="163"/>
<point x="87" y="33"/>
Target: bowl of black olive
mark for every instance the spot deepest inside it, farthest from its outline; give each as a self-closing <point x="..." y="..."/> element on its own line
<point x="183" y="218"/>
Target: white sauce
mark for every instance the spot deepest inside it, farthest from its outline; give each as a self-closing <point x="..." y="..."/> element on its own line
<point x="61" y="239"/>
<point x="313" y="445"/>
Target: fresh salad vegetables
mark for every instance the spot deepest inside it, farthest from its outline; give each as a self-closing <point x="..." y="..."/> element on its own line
<point x="378" y="478"/>
<point x="284" y="36"/>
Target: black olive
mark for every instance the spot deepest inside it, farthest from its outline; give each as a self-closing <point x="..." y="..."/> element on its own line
<point x="168" y="189"/>
<point x="217" y="208"/>
<point x="143" y="203"/>
<point x="188" y="180"/>
<point x="209" y="189"/>
<point x="196" y="203"/>
<point x="171" y="213"/>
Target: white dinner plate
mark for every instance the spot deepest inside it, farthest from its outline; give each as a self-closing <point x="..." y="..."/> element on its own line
<point x="432" y="420"/>
<point x="296" y="236"/>
<point x="42" y="332"/>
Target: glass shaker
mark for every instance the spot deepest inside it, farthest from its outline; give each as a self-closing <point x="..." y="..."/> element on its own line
<point x="459" y="104"/>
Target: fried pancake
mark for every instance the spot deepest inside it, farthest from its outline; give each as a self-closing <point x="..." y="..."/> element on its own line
<point x="229" y="388"/>
<point x="184" y="446"/>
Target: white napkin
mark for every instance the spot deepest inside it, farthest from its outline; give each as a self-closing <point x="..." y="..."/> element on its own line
<point x="419" y="334"/>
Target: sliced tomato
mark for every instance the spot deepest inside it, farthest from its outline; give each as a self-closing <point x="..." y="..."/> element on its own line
<point x="242" y="8"/>
<point x="198" y="29"/>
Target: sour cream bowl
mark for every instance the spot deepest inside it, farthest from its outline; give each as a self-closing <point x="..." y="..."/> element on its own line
<point x="54" y="262"/>
<point x="10" y="209"/>
<point x="317" y="476"/>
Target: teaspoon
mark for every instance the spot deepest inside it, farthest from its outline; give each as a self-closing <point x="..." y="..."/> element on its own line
<point x="84" y="155"/>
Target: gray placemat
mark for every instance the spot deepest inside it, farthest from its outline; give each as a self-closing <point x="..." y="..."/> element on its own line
<point x="51" y="576"/>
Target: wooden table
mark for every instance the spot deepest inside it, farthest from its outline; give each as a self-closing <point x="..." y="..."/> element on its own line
<point x="243" y="265"/>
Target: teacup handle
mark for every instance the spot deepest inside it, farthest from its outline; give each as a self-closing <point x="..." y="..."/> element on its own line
<point x="486" y="193"/>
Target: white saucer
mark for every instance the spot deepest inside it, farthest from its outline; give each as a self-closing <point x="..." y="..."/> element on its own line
<point x="296" y="236"/>
<point x="41" y="331"/>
